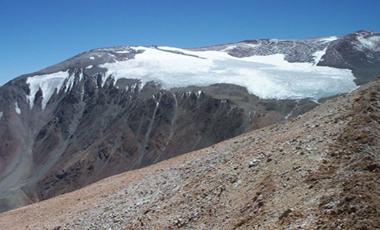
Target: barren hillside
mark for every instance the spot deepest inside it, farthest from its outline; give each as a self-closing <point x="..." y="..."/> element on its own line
<point x="319" y="171"/>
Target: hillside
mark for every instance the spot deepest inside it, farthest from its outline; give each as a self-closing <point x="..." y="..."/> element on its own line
<point x="318" y="171"/>
<point x="111" y="110"/>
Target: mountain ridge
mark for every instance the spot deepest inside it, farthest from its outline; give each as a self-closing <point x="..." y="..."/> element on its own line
<point x="102" y="115"/>
<point x="48" y="70"/>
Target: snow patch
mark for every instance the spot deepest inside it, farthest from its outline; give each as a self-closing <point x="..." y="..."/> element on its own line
<point x="318" y="56"/>
<point x="18" y="110"/>
<point x="1" y="114"/>
<point x="89" y="67"/>
<point x="70" y="83"/>
<point x="265" y="76"/>
<point x="123" y="51"/>
<point x="252" y="45"/>
<point x="92" y="58"/>
<point x="328" y="39"/>
<point x="229" y="48"/>
<point x="199" y="93"/>
<point x="371" y="43"/>
<point x="48" y="83"/>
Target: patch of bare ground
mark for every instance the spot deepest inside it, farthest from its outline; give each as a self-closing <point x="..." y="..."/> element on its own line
<point x="319" y="171"/>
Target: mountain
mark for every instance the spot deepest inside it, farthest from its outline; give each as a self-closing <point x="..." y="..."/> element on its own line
<point x="111" y="110"/>
<point x="320" y="170"/>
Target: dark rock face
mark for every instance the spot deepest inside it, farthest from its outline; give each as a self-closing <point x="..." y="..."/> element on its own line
<point x="294" y="50"/>
<point x="96" y="127"/>
<point x="91" y="132"/>
<point x="352" y="52"/>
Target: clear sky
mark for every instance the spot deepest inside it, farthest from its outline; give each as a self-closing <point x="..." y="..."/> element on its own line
<point x="35" y="34"/>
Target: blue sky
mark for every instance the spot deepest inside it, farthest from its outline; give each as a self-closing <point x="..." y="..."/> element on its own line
<point x="35" y="34"/>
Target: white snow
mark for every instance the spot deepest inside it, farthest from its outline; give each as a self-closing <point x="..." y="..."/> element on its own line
<point x="70" y="81"/>
<point x="246" y="45"/>
<point x="265" y="76"/>
<point x="231" y="47"/>
<point x="18" y="110"/>
<point x="372" y="43"/>
<point x="123" y="52"/>
<point x="328" y="39"/>
<point x="318" y="56"/>
<point x="251" y="45"/>
<point x="48" y="84"/>
<point x="89" y="67"/>
<point x="92" y="58"/>
<point x="1" y="114"/>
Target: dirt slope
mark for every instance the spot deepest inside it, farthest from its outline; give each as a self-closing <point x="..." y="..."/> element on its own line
<point x="319" y="171"/>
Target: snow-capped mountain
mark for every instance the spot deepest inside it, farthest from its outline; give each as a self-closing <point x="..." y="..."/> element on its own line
<point x="110" y="110"/>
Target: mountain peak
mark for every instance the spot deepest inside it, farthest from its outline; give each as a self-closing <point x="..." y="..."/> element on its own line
<point x="365" y="32"/>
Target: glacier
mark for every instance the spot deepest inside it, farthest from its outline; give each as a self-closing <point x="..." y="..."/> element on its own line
<point x="268" y="77"/>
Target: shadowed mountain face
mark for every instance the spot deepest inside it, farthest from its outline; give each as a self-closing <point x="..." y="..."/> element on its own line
<point x="320" y="170"/>
<point x="91" y="117"/>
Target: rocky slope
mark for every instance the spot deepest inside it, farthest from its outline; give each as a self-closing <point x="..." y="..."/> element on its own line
<point x="318" y="171"/>
<point x="111" y="110"/>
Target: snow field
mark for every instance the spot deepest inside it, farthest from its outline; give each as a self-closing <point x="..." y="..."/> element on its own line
<point x="265" y="76"/>
<point x="268" y="77"/>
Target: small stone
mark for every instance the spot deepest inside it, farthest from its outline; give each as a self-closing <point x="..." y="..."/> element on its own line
<point x="253" y="163"/>
<point x="285" y="214"/>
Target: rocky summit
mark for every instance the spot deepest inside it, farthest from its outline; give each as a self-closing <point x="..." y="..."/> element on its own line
<point x="111" y="110"/>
